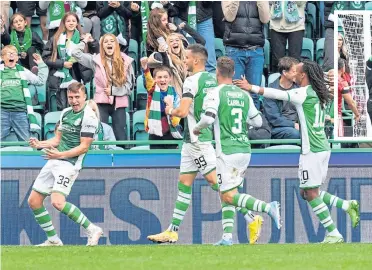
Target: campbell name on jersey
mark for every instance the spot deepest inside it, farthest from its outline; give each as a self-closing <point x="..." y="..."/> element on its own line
<point x="197" y="87"/>
<point x="73" y="126"/>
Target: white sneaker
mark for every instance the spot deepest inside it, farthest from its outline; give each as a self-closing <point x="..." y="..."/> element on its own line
<point x="94" y="234"/>
<point x="50" y="243"/>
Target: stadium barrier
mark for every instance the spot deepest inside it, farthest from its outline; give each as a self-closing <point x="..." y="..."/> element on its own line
<point x="131" y="194"/>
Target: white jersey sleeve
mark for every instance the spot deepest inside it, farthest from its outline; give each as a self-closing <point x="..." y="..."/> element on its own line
<point x="212" y="101"/>
<point x="190" y="87"/>
<point x="90" y="123"/>
<point x="254" y="117"/>
<point x="296" y="96"/>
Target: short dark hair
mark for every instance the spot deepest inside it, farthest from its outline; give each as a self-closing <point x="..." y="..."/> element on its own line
<point x="341" y="63"/>
<point x="198" y="49"/>
<point x="226" y="67"/>
<point x="286" y="63"/>
<point x="75" y="87"/>
<point x="162" y="68"/>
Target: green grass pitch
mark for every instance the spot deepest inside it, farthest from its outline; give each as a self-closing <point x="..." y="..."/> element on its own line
<point x="200" y="257"/>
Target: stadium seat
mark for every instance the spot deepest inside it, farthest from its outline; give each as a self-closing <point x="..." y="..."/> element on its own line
<point x="272" y="78"/>
<point x="141" y="96"/>
<point x="368" y="6"/>
<point x="37" y="30"/>
<point x="307" y="49"/>
<point x="284" y="147"/>
<point x="267" y="54"/>
<point x="139" y="132"/>
<point x="263" y="81"/>
<point x="38" y="134"/>
<point x="141" y="147"/>
<point x="128" y="124"/>
<point x="88" y="88"/>
<point x="50" y="120"/>
<point x="320" y="51"/>
<point x="310" y="20"/>
<point x="133" y="53"/>
<point x="142" y="50"/>
<point x="219" y="47"/>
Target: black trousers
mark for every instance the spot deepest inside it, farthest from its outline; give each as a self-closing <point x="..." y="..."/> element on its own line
<point x="118" y="117"/>
<point x="166" y="136"/>
<point x="279" y="42"/>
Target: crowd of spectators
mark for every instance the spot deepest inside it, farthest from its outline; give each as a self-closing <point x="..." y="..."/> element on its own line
<point x="88" y="42"/>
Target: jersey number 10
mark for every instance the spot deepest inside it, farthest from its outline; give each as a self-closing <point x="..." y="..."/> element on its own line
<point x="319" y="116"/>
<point x="238" y="116"/>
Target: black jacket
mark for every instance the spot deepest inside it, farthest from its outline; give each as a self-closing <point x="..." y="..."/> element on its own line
<point x="77" y="70"/>
<point x="204" y="10"/>
<point x="369" y="77"/>
<point x="123" y="11"/>
<point x="246" y="30"/>
<point x="218" y="21"/>
<point x="36" y="40"/>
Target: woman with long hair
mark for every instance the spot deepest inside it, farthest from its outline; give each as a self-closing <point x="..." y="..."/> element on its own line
<point x="114" y="76"/>
<point x="63" y="68"/>
<point x="158" y="29"/>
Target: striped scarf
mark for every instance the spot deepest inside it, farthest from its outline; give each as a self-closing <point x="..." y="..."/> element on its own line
<point x="191" y="19"/>
<point x="57" y="10"/>
<point x="290" y="12"/>
<point x="64" y="53"/>
<point x="154" y="121"/>
<point x="34" y="126"/>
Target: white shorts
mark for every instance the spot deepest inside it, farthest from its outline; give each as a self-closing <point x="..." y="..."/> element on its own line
<point x="56" y="176"/>
<point x="231" y="170"/>
<point x="313" y="169"/>
<point x="197" y="157"/>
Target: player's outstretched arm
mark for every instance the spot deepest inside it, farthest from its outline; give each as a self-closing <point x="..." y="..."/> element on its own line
<point x="53" y="142"/>
<point x="82" y="148"/>
<point x="254" y="116"/>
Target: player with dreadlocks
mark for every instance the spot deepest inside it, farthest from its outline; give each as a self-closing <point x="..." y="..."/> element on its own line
<point x="310" y="101"/>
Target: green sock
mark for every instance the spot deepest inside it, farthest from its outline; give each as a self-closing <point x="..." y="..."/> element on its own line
<point x="182" y="204"/>
<point x="75" y="214"/>
<point x="333" y="200"/>
<point x="228" y="213"/>
<point x="251" y="203"/>
<point x="322" y="212"/>
<point x="44" y="220"/>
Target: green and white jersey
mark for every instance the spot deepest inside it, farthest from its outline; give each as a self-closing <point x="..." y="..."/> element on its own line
<point x="311" y="116"/>
<point x="234" y="109"/>
<point x="73" y="126"/>
<point x="196" y="87"/>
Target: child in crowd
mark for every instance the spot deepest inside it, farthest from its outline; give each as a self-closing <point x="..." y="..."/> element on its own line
<point x="159" y="125"/>
<point x="63" y="68"/>
<point x="26" y="41"/>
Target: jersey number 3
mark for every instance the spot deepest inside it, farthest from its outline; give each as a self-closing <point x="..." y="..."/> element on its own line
<point x="238" y="116"/>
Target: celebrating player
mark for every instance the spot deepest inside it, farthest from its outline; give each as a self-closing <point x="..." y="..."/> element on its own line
<point x="230" y="108"/>
<point x="310" y="101"/>
<point x="78" y="124"/>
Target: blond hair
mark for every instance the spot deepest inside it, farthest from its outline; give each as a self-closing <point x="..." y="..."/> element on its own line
<point x="8" y="48"/>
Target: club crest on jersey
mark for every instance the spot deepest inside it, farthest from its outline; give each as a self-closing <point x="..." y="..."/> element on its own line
<point x="77" y="122"/>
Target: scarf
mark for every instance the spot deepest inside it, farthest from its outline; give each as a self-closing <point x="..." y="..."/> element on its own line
<point x="145" y="11"/>
<point x="27" y="40"/>
<point x="113" y="24"/>
<point x="64" y="53"/>
<point x="57" y="10"/>
<point x="154" y="121"/>
<point x="34" y="126"/>
<point x="337" y="5"/>
<point x="191" y="18"/>
<point x="290" y="12"/>
<point x="357" y="5"/>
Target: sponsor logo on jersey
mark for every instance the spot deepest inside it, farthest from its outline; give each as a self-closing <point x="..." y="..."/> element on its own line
<point x="77" y="122"/>
<point x="234" y="94"/>
<point x="208" y="89"/>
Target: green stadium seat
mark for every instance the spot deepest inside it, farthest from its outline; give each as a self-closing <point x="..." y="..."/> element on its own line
<point x="139" y="132"/>
<point x="128" y="124"/>
<point x="39" y="121"/>
<point x="50" y="120"/>
<point x="219" y="47"/>
<point x="320" y="51"/>
<point x="141" y="95"/>
<point x="133" y="52"/>
<point x="142" y="50"/>
<point x="272" y="78"/>
<point x="267" y="54"/>
<point x="368" y="6"/>
<point x="88" y="88"/>
<point x="141" y="147"/>
<point x="310" y="20"/>
<point x="37" y="30"/>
